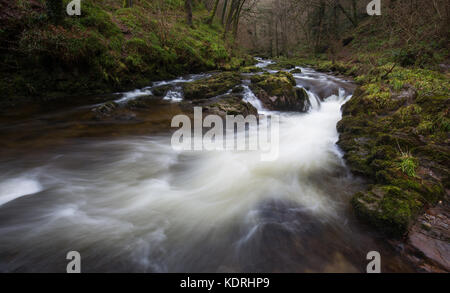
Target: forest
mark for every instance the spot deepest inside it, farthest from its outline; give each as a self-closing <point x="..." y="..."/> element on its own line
<point x="87" y="104"/>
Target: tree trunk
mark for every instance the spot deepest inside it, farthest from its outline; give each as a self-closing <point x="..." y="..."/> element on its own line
<point x="213" y="13"/>
<point x="127" y="3"/>
<point x="355" y="12"/>
<point x="188" y="7"/>
<point x="229" y="20"/>
<point x="224" y="10"/>
<point x="277" y="53"/>
<point x="237" y="17"/>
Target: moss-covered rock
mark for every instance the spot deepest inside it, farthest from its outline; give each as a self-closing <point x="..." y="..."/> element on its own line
<point x="389" y="208"/>
<point x="250" y="69"/>
<point x="231" y="105"/>
<point x="161" y="90"/>
<point x="278" y="92"/>
<point x="211" y="87"/>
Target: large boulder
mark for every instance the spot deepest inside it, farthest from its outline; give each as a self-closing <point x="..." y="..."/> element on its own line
<point x="211" y="87"/>
<point x="230" y="104"/>
<point x="278" y="92"/>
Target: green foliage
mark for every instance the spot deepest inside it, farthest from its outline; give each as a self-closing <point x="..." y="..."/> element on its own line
<point x="408" y="165"/>
<point x="117" y="46"/>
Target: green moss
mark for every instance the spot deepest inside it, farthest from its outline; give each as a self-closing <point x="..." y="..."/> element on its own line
<point x="275" y="84"/>
<point x="250" y="69"/>
<point x="211" y="87"/>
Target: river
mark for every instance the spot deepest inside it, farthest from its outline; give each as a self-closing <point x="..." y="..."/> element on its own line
<point x="128" y="202"/>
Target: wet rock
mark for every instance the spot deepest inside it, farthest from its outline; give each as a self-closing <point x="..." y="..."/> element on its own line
<point x="407" y="96"/>
<point x="230" y="105"/>
<point x="237" y="90"/>
<point x="161" y="91"/>
<point x="143" y="102"/>
<point x="211" y="87"/>
<point x="429" y="240"/>
<point x="296" y="70"/>
<point x="250" y="69"/>
<point x="105" y="109"/>
<point x="278" y="92"/>
<point x="281" y="65"/>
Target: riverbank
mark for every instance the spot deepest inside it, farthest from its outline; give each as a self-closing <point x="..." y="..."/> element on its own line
<point x="395" y="132"/>
<point x="107" y="49"/>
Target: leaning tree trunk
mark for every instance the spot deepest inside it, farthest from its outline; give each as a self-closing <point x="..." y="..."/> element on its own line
<point x="213" y="13"/>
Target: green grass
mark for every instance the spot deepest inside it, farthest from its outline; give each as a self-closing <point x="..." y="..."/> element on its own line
<point x="408" y="165"/>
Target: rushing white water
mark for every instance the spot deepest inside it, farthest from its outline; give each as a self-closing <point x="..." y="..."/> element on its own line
<point x="135" y="204"/>
<point x="263" y="62"/>
<point x="250" y="97"/>
<point x="174" y="95"/>
<point x="134" y="94"/>
<point x="14" y="188"/>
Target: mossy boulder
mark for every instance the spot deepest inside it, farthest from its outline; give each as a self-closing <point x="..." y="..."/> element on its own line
<point x="296" y="71"/>
<point x="211" y="87"/>
<point x="278" y="92"/>
<point x="232" y="105"/>
<point x="281" y="64"/>
<point x="250" y="69"/>
<point x="112" y="111"/>
<point x="161" y="91"/>
<point x="389" y="208"/>
<point x="229" y="104"/>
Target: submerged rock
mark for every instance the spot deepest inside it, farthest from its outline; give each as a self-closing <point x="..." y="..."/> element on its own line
<point x="278" y="92"/>
<point x="211" y="87"/>
<point x="105" y="109"/>
<point x="140" y="102"/>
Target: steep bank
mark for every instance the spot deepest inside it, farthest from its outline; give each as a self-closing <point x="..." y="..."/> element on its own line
<point x="107" y="48"/>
